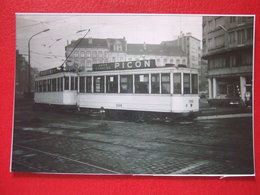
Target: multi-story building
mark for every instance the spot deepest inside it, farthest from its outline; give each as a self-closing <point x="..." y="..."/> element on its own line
<point x="228" y="48"/>
<point x="91" y="51"/>
<point x="162" y="54"/>
<point x="191" y="47"/>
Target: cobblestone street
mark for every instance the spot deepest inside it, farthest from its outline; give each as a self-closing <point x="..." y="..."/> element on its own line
<point x="72" y="143"/>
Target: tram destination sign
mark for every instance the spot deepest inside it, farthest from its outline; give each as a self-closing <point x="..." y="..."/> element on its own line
<point x="140" y="64"/>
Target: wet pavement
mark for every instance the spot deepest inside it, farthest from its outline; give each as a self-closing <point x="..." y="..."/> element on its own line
<point x="72" y="143"/>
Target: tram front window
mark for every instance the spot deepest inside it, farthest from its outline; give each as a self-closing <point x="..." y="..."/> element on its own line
<point x="194" y="81"/>
<point x="126" y="84"/>
<point x="177" y="83"/>
<point x="142" y="83"/>
<point x="165" y="83"/>
<point x="112" y="84"/>
<point x="186" y="83"/>
<point x="99" y="84"/>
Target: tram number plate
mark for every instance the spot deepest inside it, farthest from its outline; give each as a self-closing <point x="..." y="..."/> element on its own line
<point x="191" y="101"/>
<point x="119" y="105"/>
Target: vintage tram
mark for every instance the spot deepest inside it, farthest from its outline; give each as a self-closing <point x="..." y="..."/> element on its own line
<point x="136" y="88"/>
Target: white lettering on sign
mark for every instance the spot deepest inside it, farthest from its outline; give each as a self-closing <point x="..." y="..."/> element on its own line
<point x="117" y="65"/>
<point x="129" y="64"/>
<point x="138" y="64"/>
<point x="147" y="63"/>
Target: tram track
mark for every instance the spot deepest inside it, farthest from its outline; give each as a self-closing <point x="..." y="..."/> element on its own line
<point x="63" y="157"/>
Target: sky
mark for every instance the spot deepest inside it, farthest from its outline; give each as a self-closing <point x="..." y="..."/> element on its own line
<point x="48" y="48"/>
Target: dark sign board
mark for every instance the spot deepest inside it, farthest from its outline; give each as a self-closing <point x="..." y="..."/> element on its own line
<point x="125" y="65"/>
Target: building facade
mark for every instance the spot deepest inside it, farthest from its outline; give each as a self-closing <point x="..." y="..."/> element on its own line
<point x="92" y="51"/>
<point x="228" y="48"/>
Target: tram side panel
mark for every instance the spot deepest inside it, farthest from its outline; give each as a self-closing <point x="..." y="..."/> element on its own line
<point x="185" y="103"/>
<point x="56" y="98"/>
<point x="149" y="103"/>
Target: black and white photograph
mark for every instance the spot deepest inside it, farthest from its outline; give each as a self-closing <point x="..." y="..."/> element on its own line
<point x="134" y="94"/>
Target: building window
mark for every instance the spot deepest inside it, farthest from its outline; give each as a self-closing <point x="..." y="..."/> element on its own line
<point x="126" y="84"/>
<point x="112" y="84"/>
<point x="165" y="60"/>
<point x="155" y="83"/>
<point x="211" y="45"/>
<point x="66" y="83"/>
<point x="99" y="84"/>
<point x="219" y="22"/>
<point x="171" y="61"/>
<point x="94" y="60"/>
<point x="82" y="84"/>
<point x="194" y="82"/>
<point x="105" y="54"/>
<point x="183" y="61"/>
<point x="241" y="20"/>
<point x="177" y="83"/>
<point x="178" y="61"/>
<point x="82" y="54"/>
<point x="165" y="82"/>
<point x="88" y="54"/>
<point x="142" y="83"/>
<point x="211" y="25"/>
<point x="232" y="19"/>
<point x="113" y="59"/>
<point x="240" y="36"/>
<point x="232" y="37"/>
<point x="88" y="84"/>
<point x="94" y="54"/>
<point x="219" y="41"/>
<point x="232" y="60"/>
<point x="158" y="61"/>
<point x="100" y="54"/>
<point x="247" y="59"/>
<point x="76" y="54"/>
<point x="249" y="33"/>
<point x="186" y="83"/>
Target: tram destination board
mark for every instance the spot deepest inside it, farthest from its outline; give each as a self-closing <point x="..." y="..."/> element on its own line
<point x="140" y="64"/>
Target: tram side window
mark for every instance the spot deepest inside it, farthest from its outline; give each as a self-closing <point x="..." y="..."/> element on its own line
<point x="82" y="84"/>
<point x="165" y="83"/>
<point x="53" y="84"/>
<point x="99" y="84"/>
<point x="186" y="83"/>
<point x="76" y="83"/>
<point x="44" y="86"/>
<point x="155" y="83"/>
<point x="49" y="84"/>
<point x="72" y="83"/>
<point x="35" y="86"/>
<point x="66" y="83"/>
<point x="88" y="84"/>
<point x="58" y="84"/>
<point x="40" y="86"/>
<point x="61" y="84"/>
<point x="112" y="84"/>
<point x="142" y="83"/>
<point x="126" y="84"/>
<point x="177" y="83"/>
<point x="194" y="82"/>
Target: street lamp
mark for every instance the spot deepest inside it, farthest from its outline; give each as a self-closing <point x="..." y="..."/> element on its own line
<point x="29" y="59"/>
